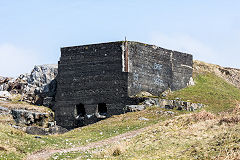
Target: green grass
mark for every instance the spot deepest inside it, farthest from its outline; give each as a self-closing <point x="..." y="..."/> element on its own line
<point x="212" y="91"/>
<point x="19" y="143"/>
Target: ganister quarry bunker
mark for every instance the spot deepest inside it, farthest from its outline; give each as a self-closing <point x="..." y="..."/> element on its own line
<point x="98" y="80"/>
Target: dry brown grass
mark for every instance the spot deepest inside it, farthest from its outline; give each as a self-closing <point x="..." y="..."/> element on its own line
<point x="236" y="110"/>
<point x="226" y="154"/>
<point x="6" y="119"/>
<point x="2" y="149"/>
<point x="191" y="136"/>
<point x="229" y="120"/>
<point x="23" y="105"/>
<point x="113" y="150"/>
<point x="202" y="116"/>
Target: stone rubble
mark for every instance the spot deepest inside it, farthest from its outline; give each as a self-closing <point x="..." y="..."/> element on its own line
<point x="166" y="104"/>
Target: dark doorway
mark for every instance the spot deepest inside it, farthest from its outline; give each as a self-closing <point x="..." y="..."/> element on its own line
<point x="102" y="110"/>
<point x="80" y="111"/>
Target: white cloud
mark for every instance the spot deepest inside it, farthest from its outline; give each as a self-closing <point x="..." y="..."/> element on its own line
<point x="185" y="43"/>
<point x="16" y="60"/>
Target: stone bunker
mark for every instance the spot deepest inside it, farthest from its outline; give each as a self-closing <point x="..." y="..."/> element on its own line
<point x="97" y="81"/>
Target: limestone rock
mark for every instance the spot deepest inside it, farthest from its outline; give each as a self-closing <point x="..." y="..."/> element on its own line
<point x="57" y="130"/>
<point x="151" y="102"/>
<point x="4" y="111"/>
<point x="26" y="117"/>
<point x="180" y="105"/>
<point x="45" y="131"/>
<point x="143" y="119"/>
<point x="144" y="94"/>
<point x="35" y="86"/>
<point x="134" y="108"/>
<point x="36" y="130"/>
<point x="191" y="82"/>
<point x="5" y="95"/>
<point x="166" y="92"/>
<point x="164" y="103"/>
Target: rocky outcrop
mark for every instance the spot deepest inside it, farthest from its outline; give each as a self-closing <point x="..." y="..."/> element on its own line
<point x="32" y="122"/>
<point x="179" y="105"/>
<point x="164" y="103"/>
<point x="25" y="117"/>
<point x="4" y="83"/>
<point x="33" y="87"/>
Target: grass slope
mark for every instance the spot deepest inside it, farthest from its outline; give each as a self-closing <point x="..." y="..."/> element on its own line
<point x="212" y="91"/>
<point x="15" y="144"/>
<point x="202" y="135"/>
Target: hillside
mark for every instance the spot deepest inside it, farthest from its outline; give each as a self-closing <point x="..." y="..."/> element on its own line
<point x="192" y="136"/>
<point x="212" y="90"/>
<point x="209" y="134"/>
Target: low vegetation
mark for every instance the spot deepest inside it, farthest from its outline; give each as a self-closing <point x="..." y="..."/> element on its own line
<point x="17" y="144"/>
<point x="210" y="90"/>
<point x="201" y="135"/>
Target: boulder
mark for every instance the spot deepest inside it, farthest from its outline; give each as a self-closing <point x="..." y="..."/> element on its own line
<point x="144" y="94"/>
<point x="36" y="130"/>
<point x="151" y="102"/>
<point x="143" y="119"/>
<point x="134" y="108"/>
<point x="5" y="95"/>
<point x="57" y="130"/>
<point x="191" y="82"/>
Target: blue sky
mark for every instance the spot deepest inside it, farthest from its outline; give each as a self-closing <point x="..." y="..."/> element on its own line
<point x="33" y="31"/>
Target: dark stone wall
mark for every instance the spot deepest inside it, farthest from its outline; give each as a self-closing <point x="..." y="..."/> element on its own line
<point x="182" y="70"/>
<point x="111" y="72"/>
<point x="154" y="69"/>
<point x="90" y="75"/>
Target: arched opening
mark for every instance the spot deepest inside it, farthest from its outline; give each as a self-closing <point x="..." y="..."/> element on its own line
<point x="80" y="111"/>
<point x="101" y="110"/>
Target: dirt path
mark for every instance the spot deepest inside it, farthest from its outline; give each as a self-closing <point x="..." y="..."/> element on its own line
<point x="43" y="155"/>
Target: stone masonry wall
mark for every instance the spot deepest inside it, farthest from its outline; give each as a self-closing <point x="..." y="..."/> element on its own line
<point x="110" y="73"/>
<point x="90" y="75"/>
<point x="154" y="69"/>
